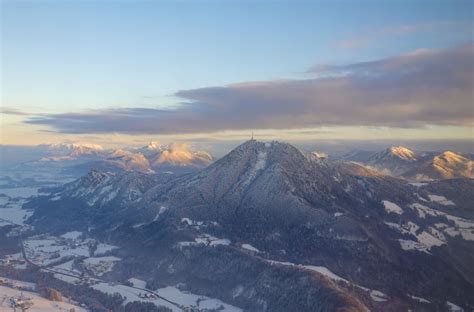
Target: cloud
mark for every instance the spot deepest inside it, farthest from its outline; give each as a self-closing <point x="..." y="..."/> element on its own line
<point x="425" y="87"/>
<point x="12" y="111"/>
<point x="437" y="28"/>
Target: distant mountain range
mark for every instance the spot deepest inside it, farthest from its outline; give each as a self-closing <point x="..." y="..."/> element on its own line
<point x="76" y="159"/>
<point x="269" y="227"/>
<point x="400" y="161"/>
<point x="79" y="158"/>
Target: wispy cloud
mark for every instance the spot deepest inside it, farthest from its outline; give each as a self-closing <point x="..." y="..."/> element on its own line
<point x="438" y="28"/>
<point x="425" y="87"/>
<point x="13" y="111"/>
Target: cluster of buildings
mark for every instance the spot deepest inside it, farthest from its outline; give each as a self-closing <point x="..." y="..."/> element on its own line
<point x="21" y="302"/>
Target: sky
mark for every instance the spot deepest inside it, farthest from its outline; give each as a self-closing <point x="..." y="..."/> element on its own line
<point x="127" y="72"/>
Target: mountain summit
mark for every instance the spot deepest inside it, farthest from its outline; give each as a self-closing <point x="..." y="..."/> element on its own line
<point x="402" y="153"/>
<point x="447" y="165"/>
<point x="71" y="151"/>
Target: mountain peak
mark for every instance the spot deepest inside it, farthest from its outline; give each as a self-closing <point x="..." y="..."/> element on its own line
<point x="153" y="146"/>
<point x="451" y="157"/>
<point x="96" y="176"/>
<point x="70" y="151"/>
<point x="447" y="165"/>
<point x="397" y="153"/>
<point x="259" y="145"/>
<point x="402" y="152"/>
<point x="72" y="146"/>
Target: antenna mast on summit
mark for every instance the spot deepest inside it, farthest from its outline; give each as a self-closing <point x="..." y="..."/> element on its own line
<point x="252" y="136"/>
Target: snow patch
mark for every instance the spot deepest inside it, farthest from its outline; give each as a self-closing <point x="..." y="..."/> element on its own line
<point x="250" y="248"/>
<point x="441" y="200"/>
<point x="423" y="211"/>
<point x="392" y="207"/>
<point x="72" y="235"/>
<point x="259" y="165"/>
<point x="378" y="296"/>
<point x="419" y="299"/>
<point x="412" y="245"/>
<point x="183" y="300"/>
<point x="206" y="240"/>
<point x="103" y="249"/>
<point x="454" y="307"/>
<point x="137" y="282"/>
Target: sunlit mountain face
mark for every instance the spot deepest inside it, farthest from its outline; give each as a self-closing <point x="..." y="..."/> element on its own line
<point x="237" y="156"/>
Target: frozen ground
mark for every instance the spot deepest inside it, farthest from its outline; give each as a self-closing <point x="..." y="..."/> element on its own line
<point x="14" y="215"/>
<point x="392" y="207"/>
<point x="72" y="235"/>
<point x="50" y="249"/>
<point x="249" y="247"/>
<point x="182" y="299"/>
<point x="100" y="265"/>
<point x="19" y="192"/>
<point x="11" y="202"/>
<point x="103" y="249"/>
<point x="206" y="240"/>
<point x="441" y="200"/>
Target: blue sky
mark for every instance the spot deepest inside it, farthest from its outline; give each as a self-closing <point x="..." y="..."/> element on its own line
<point x="76" y="56"/>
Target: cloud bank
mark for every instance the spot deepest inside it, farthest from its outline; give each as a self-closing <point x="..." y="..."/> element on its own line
<point x="425" y="87"/>
<point x="439" y="28"/>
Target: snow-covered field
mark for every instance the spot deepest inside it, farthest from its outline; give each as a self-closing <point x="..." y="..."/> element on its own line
<point x="392" y="207"/>
<point x="11" y="203"/>
<point x="183" y="299"/>
<point x="100" y="265"/>
<point x="72" y="235"/>
<point x="19" y="192"/>
<point x="206" y="240"/>
<point x="103" y="249"/>
<point x="12" y="196"/>
<point x="14" y="215"/>
<point x="4" y="200"/>
<point x="441" y="200"/>
<point x="436" y="234"/>
<point x="45" y="251"/>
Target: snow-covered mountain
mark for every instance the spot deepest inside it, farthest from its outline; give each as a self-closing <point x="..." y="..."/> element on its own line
<point x="394" y="160"/>
<point x="268" y="215"/>
<point x="78" y="158"/>
<point x="128" y="160"/>
<point x="175" y="155"/>
<point x="70" y="151"/>
<point x="447" y="165"/>
<point x="402" y="162"/>
<point x="154" y="157"/>
<point x="102" y="188"/>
